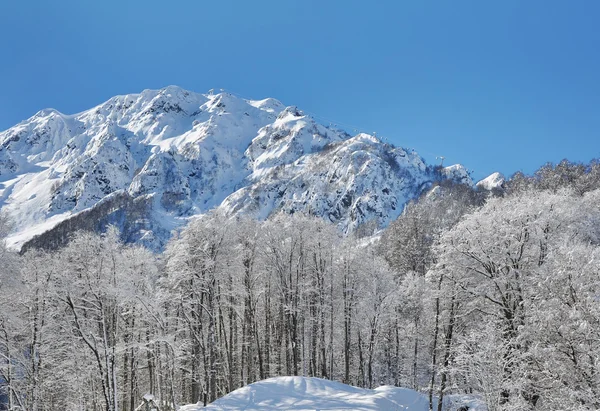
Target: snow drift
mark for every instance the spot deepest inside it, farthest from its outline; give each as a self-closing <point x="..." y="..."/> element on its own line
<point x="304" y="393"/>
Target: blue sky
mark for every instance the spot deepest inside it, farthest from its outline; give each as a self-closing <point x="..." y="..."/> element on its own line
<point x="495" y="85"/>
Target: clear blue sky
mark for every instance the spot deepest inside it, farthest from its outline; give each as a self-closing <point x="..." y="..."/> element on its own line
<point x="496" y="85"/>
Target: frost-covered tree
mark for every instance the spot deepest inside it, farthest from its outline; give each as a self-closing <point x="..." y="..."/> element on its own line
<point x="375" y="312"/>
<point x="498" y="259"/>
<point x="578" y="177"/>
<point x="198" y="269"/>
<point x="408" y="246"/>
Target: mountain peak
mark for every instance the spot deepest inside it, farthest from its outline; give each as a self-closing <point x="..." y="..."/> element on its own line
<point x="268" y="104"/>
<point x="494" y="180"/>
<point x="290" y="111"/>
<point x="46" y="112"/>
<point x="459" y="173"/>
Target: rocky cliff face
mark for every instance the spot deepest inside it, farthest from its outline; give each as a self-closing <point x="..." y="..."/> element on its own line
<point x="180" y="154"/>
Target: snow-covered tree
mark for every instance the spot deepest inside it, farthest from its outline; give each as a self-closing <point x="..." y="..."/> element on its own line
<point x="498" y="258"/>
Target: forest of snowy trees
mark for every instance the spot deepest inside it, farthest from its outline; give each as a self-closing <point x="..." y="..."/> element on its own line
<point x="494" y="294"/>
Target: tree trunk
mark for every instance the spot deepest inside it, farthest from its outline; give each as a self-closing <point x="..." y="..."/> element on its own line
<point x="434" y="347"/>
<point x="447" y="351"/>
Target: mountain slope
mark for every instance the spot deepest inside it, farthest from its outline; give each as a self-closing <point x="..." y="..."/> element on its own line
<point x="177" y="154"/>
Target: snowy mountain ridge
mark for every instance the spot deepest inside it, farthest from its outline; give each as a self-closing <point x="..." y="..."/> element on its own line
<point x="175" y="154"/>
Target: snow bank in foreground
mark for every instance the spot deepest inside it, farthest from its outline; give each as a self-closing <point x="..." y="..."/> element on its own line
<point x="303" y="393"/>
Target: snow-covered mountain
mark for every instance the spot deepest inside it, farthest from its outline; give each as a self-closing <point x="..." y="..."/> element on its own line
<point x="150" y="161"/>
<point x="493" y="181"/>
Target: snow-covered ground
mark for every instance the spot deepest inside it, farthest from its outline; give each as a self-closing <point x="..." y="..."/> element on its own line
<point x="304" y="393"/>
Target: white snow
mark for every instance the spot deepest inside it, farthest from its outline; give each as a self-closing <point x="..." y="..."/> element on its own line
<point x="492" y="181"/>
<point x="304" y="393"/>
